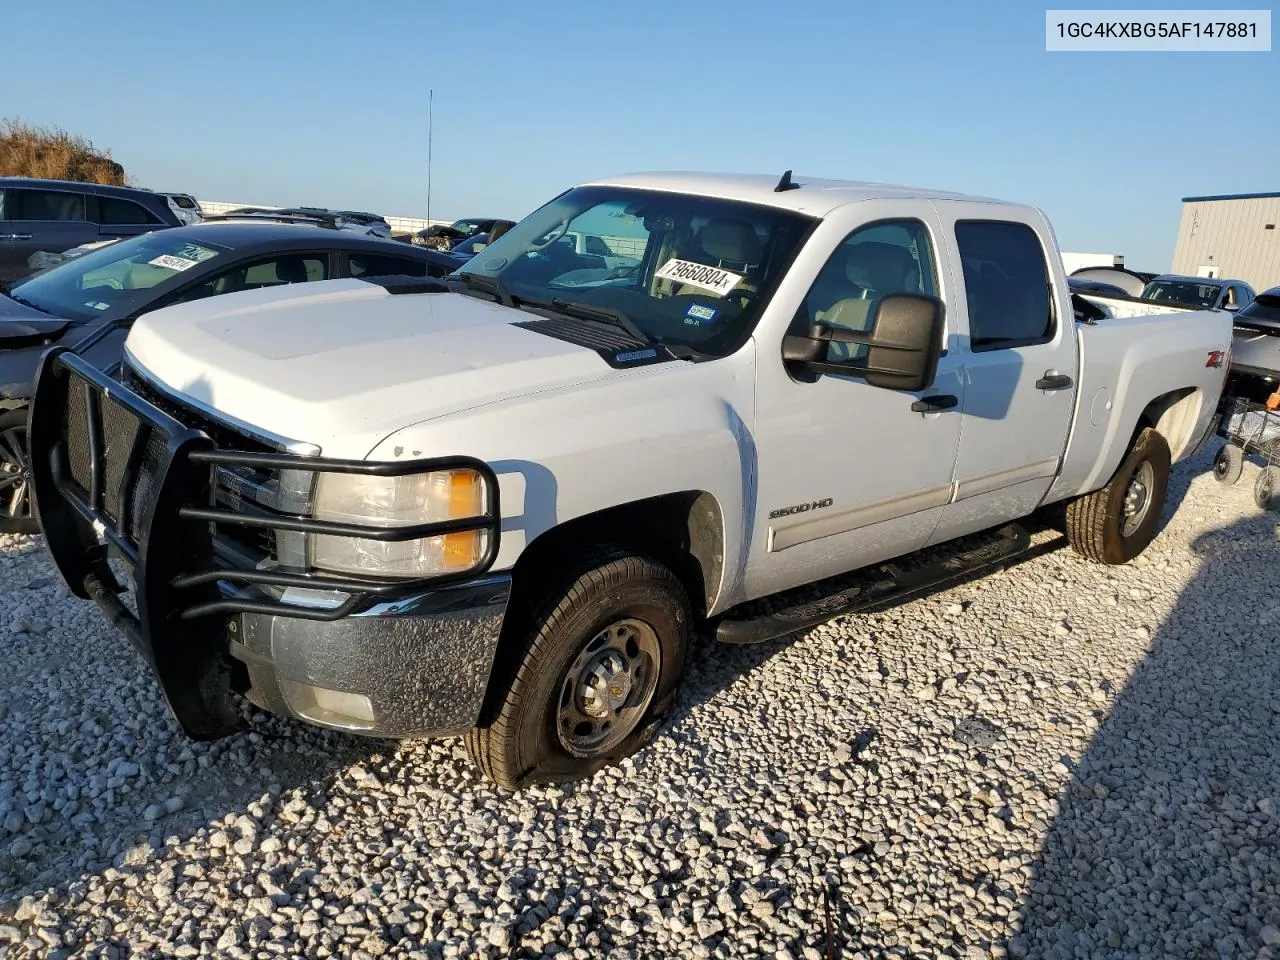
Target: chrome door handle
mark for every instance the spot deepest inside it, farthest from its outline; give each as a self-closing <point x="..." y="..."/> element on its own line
<point x="18" y="236"/>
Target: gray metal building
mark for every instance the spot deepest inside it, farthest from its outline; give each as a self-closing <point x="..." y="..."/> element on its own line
<point x="1231" y="236"/>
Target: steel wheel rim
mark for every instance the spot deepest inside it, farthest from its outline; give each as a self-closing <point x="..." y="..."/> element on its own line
<point x="608" y="688"/>
<point x="1221" y="464"/>
<point x="15" y="474"/>
<point x="1137" y="499"/>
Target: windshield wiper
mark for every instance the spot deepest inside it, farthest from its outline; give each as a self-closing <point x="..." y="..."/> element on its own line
<point x="489" y="285"/>
<point x="609" y="315"/>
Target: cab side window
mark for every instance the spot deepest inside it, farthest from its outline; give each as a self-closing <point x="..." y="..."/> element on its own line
<point x="1006" y="281"/>
<point x="873" y="262"/>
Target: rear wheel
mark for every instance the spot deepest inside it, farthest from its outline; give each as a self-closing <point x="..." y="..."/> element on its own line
<point x="1229" y="464"/>
<point x="1266" y="489"/>
<point x="15" y="475"/>
<point x="598" y="665"/>
<point x="1115" y="524"/>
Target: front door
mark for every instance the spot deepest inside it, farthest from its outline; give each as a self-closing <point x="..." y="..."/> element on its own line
<point x="1019" y="369"/>
<point x="848" y="473"/>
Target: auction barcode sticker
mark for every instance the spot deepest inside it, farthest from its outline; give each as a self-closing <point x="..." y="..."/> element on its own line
<point x="171" y="262"/>
<point x="714" y="279"/>
<point x="1170" y="31"/>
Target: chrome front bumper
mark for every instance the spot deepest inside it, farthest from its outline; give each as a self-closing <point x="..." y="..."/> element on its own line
<point x="414" y="667"/>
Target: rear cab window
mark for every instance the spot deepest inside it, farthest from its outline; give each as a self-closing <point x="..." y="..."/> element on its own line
<point x="1007" y="284"/>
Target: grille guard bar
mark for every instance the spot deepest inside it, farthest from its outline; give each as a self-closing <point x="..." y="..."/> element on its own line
<point x="175" y="570"/>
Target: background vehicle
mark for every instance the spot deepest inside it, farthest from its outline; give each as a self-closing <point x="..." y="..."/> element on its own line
<point x="1095" y="286"/>
<point x="1208" y="293"/>
<point x="71" y="302"/>
<point x="185" y="207"/>
<point x="1128" y="282"/>
<point x="586" y="244"/>
<point x="1255" y="348"/>
<point x="501" y="502"/>
<point x="50" y="216"/>
<point x="463" y="251"/>
<point x="446" y="237"/>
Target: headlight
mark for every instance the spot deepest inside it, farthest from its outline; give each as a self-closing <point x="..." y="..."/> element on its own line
<point x="400" y="502"/>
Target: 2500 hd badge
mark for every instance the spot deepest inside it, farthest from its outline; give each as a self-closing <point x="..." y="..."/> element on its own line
<point x="800" y="508"/>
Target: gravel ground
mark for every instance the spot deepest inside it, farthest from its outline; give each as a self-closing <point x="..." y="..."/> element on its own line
<point x="1062" y="760"/>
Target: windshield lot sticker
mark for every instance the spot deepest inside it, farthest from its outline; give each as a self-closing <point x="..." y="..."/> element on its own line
<point x="193" y="251"/>
<point x="96" y="305"/>
<point x="699" y="314"/>
<point x="714" y="279"/>
<point x="173" y="263"/>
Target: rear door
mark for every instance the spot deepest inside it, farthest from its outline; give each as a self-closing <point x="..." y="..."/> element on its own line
<point x="1019" y="361"/>
<point x="47" y="220"/>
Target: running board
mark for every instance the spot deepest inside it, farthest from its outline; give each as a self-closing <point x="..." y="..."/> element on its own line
<point x="888" y="585"/>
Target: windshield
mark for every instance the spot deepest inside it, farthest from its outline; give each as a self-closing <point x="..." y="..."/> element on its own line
<point x="682" y="269"/>
<point x="120" y="274"/>
<point x="1181" y="291"/>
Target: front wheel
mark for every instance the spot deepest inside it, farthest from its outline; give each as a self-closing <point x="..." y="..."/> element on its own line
<point x="598" y="665"/>
<point x="1115" y="524"/>
<point x="15" y="475"/>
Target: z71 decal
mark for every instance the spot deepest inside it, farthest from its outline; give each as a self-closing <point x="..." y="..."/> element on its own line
<point x="799" y="508"/>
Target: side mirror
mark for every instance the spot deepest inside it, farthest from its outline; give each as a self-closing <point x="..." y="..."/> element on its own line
<point x="903" y="345"/>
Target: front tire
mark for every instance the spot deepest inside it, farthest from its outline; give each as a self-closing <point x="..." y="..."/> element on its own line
<point x="1228" y="465"/>
<point x="16" y="515"/>
<point x="598" y="664"/>
<point x="1115" y="524"/>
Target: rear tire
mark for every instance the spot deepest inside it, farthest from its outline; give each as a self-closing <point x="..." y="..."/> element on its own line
<point x="1228" y="465"/>
<point x="1115" y="524"/>
<point x="16" y="515"/>
<point x="598" y="664"/>
<point x="1266" y="489"/>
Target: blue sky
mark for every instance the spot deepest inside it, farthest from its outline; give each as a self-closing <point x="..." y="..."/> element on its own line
<point x="325" y="103"/>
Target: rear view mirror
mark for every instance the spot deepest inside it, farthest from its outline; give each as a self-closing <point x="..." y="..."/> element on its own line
<point x="903" y="345"/>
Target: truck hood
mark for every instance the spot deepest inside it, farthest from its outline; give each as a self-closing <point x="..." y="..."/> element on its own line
<point x="343" y="363"/>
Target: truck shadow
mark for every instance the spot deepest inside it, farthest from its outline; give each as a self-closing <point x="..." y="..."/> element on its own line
<point x="1167" y="836"/>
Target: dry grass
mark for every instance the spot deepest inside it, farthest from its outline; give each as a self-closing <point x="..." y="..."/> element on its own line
<point x="53" y="154"/>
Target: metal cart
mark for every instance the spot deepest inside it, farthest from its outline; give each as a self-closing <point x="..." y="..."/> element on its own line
<point x="1250" y="428"/>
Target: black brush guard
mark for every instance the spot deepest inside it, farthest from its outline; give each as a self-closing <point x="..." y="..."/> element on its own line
<point x="149" y="500"/>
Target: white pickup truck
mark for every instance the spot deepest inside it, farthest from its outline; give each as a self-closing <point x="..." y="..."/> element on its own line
<point x="498" y="505"/>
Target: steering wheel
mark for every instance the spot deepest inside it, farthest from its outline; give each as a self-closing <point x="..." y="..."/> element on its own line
<point x="555" y="234"/>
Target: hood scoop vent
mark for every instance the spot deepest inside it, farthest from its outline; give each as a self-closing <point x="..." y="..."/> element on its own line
<point x="408" y="284"/>
<point x="616" y="347"/>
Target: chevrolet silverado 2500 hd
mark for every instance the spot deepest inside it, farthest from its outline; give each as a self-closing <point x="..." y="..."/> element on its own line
<point x="497" y="504"/>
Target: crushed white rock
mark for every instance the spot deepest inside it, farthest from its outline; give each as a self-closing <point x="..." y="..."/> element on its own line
<point x="1064" y="760"/>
